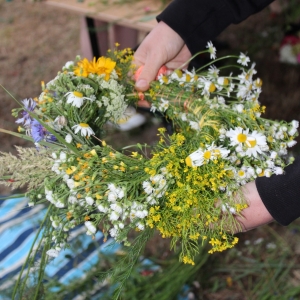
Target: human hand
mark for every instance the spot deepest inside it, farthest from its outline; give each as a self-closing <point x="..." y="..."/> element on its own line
<point x="162" y="46"/>
<point x="256" y="213"/>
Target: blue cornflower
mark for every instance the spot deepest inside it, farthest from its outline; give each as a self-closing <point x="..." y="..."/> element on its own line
<point x="29" y="104"/>
<point x="39" y="133"/>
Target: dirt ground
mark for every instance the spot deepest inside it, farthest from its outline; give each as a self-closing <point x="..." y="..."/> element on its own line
<point x="36" y="40"/>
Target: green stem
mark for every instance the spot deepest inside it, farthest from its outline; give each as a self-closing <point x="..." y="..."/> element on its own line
<point x="29" y="259"/>
<point x="218" y="59"/>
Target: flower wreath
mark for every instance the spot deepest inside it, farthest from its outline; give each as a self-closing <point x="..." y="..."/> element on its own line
<point x="187" y="189"/>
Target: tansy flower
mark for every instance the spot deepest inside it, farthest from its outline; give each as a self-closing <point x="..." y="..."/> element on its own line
<point x="84" y="129"/>
<point x="76" y="98"/>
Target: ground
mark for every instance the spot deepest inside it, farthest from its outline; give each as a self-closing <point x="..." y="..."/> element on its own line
<point x="37" y="40"/>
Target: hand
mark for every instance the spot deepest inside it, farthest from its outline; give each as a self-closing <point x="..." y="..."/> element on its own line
<point x="256" y="214"/>
<point x="162" y="46"/>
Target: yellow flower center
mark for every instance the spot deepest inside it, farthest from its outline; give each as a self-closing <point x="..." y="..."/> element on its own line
<point x="207" y="154"/>
<point x="226" y="81"/>
<point x="258" y="82"/>
<point x="241" y="138"/>
<point x="77" y="94"/>
<point x="251" y="142"/>
<point x="212" y="88"/>
<point x="241" y="173"/>
<point x="217" y="152"/>
<point x="189" y="162"/>
<point x="188" y="78"/>
<point x="179" y="73"/>
<point x="84" y="125"/>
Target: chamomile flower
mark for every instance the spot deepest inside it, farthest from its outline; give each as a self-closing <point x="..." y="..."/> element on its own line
<point x="84" y="129"/>
<point x="163" y="105"/>
<point x="237" y="136"/>
<point x="208" y="87"/>
<point x="256" y="143"/>
<point x="243" y="59"/>
<point x="201" y="156"/>
<point x="213" y="72"/>
<point x="212" y="50"/>
<point x="76" y="98"/>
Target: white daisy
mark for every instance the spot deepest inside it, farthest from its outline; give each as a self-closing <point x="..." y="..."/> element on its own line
<point x="84" y="129"/>
<point x="213" y="72"/>
<point x="256" y="143"/>
<point x="237" y="136"/>
<point x="212" y="50"/>
<point x="163" y="105"/>
<point x="243" y="59"/>
<point x="195" y="159"/>
<point x="76" y="98"/>
<point x="200" y="156"/>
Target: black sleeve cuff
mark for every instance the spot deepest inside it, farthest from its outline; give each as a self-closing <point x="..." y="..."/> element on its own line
<point x="200" y="21"/>
<point x="281" y="194"/>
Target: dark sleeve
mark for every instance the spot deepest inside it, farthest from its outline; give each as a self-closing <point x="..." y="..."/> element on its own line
<point x="281" y="193"/>
<point x="200" y="21"/>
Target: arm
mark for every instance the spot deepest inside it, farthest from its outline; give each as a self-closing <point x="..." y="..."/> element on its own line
<point x="184" y="29"/>
<point x="199" y="21"/>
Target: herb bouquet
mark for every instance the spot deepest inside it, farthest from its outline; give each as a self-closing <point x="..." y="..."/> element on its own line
<point x="187" y="188"/>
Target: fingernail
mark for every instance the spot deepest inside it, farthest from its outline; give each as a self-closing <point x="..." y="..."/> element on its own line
<point x="141" y="84"/>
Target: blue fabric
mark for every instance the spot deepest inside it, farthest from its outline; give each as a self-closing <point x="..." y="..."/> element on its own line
<point x="18" y="227"/>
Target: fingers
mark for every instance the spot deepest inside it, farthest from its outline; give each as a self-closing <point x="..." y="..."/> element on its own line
<point x="148" y="73"/>
<point x="160" y="46"/>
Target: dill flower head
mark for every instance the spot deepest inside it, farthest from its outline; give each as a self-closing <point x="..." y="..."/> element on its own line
<point x="102" y="66"/>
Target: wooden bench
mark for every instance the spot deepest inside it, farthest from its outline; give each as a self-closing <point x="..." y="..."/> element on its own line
<point x="104" y="24"/>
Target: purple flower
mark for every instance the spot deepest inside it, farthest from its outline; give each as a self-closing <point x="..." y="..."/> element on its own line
<point x="29" y="104"/>
<point x="39" y="133"/>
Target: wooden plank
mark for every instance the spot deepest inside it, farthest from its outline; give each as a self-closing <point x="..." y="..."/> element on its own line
<point x="139" y="14"/>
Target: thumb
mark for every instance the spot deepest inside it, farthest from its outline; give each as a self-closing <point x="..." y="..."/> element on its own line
<point x="147" y="73"/>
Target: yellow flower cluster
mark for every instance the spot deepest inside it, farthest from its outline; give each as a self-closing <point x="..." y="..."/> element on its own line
<point x="219" y="245"/>
<point x="103" y="65"/>
<point x="192" y="189"/>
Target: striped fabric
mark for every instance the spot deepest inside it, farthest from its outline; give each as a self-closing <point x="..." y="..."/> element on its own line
<point x="18" y="226"/>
